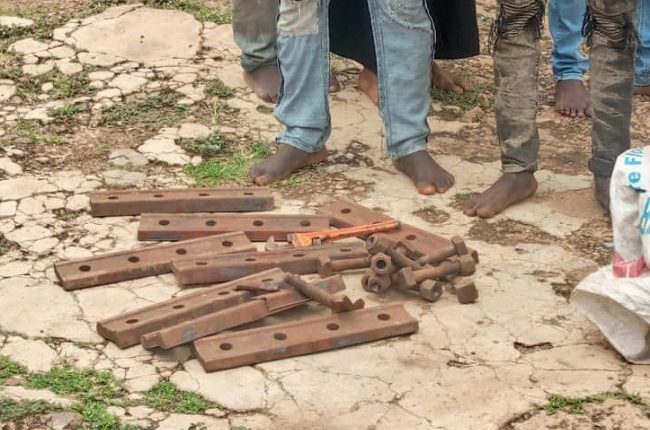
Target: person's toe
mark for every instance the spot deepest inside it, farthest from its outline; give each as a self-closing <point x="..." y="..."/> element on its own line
<point x="427" y="189"/>
<point x="485" y="212"/>
<point x="262" y="180"/>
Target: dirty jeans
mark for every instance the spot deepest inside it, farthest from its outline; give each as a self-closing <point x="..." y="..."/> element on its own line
<point x="610" y="33"/>
<point x="254" y="25"/>
<point x="565" y="21"/>
<point x="404" y="38"/>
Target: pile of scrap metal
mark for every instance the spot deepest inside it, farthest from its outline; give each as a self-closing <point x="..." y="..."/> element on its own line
<point x="209" y="245"/>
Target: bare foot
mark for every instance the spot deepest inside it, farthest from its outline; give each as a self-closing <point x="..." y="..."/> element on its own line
<point x="511" y="188"/>
<point x="444" y="80"/>
<point x="572" y="99"/>
<point x="369" y="86"/>
<point x="642" y="91"/>
<point x="427" y="175"/>
<point x="281" y="164"/>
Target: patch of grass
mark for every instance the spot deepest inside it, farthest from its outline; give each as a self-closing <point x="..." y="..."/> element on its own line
<point x="9" y="368"/>
<point x="466" y="101"/>
<point x="233" y="168"/>
<point x="65" y="112"/>
<point x="33" y="131"/>
<point x="213" y="112"/>
<point x="12" y="410"/>
<point x="66" y="87"/>
<point x="97" y="416"/>
<point x="209" y="146"/>
<point x="165" y="396"/>
<point x="216" y="88"/>
<point x="157" y="110"/>
<point x="218" y="15"/>
<point x="576" y="405"/>
<point x="88" y="384"/>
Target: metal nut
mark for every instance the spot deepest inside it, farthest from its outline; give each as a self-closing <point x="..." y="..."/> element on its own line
<point x="431" y="290"/>
<point x="381" y="264"/>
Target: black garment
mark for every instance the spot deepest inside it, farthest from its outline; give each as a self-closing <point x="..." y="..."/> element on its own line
<point x="454" y="20"/>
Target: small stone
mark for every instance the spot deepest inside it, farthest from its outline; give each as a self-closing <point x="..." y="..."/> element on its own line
<point x="47" y="87"/>
<point x="44" y="246"/>
<point x="193" y="131"/>
<point x="36" y="355"/>
<point x="128" y="84"/>
<point x="27" y="46"/>
<point x="140" y="412"/>
<point x="100" y="76"/>
<point x="28" y="234"/>
<point x="473" y="115"/>
<point x="123" y="157"/>
<point x="8" y="209"/>
<point x="20" y="394"/>
<point x="31" y="206"/>
<point x="38" y="69"/>
<point x="69" y="68"/>
<point x="18" y="188"/>
<point x="97" y="85"/>
<point x="7" y="91"/>
<point x="14" y="21"/>
<point x="215" y="412"/>
<point x="123" y="178"/>
<point x="9" y="167"/>
<point x="76" y="253"/>
<point x="30" y="59"/>
<point x="185" y="78"/>
<point x="62" y="52"/>
<point x="15" y="268"/>
<point x="65" y="421"/>
<point x="60" y="34"/>
<point x="165" y="151"/>
<point x="54" y="203"/>
<point x="108" y="94"/>
<point x="78" y="202"/>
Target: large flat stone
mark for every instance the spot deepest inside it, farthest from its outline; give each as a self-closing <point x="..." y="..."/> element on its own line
<point x="143" y="35"/>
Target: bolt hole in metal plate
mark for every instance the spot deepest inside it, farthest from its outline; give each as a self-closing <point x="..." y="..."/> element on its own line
<point x="257" y="226"/>
<point x="136" y="202"/>
<point x="145" y="261"/>
<point x="303" y="337"/>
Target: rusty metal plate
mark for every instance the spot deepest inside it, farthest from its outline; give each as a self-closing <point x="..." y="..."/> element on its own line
<point x="135" y="202"/>
<point x="299" y="261"/>
<point x="258" y="227"/>
<point x="241" y="348"/>
<point x="126" y="329"/>
<point x="146" y="261"/>
<point x="346" y="213"/>
<point x="250" y="311"/>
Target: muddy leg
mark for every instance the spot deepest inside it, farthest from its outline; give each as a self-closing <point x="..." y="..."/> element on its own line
<point x="516" y="56"/>
<point x="612" y="40"/>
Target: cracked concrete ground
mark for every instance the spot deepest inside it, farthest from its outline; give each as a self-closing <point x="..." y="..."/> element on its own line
<point x="485" y="366"/>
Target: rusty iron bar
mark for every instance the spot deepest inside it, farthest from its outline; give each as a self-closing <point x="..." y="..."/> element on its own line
<point x="327" y="267"/>
<point x="408" y="278"/>
<point x="250" y="311"/>
<point x="246" y="347"/>
<point x="136" y="202"/>
<point x="301" y="261"/>
<point x="258" y="227"/>
<point x="145" y="261"/>
<point x="346" y="213"/>
<point x="125" y="330"/>
<point x="337" y="305"/>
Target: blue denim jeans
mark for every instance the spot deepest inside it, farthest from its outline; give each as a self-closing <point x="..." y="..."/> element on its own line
<point x="565" y="20"/>
<point x="404" y="39"/>
<point x="254" y="22"/>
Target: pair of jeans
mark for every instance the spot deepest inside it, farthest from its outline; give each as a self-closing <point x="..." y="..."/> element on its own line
<point x="254" y="25"/>
<point x="404" y="38"/>
<point x="565" y="19"/>
<point x="609" y="25"/>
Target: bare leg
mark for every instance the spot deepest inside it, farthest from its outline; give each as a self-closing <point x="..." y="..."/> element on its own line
<point x="284" y="162"/>
<point x="511" y="188"/>
<point x="368" y="85"/>
<point x="572" y="99"/>
<point x="427" y="175"/>
<point x="642" y="91"/>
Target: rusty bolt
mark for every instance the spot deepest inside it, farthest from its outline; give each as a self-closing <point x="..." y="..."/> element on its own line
<point x="381" y="244"/>
<point x="381" y="264"/>
<point x="324" y="267"/>
<point x="466" y="291"/>
<point x="457" y="247"/>
<point x="407" y="278"/>
<point x="378" y="284"/>
<point x="431" y="290"/>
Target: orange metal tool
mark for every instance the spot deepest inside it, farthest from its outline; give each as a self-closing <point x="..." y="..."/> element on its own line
<point x="303" y="240"/>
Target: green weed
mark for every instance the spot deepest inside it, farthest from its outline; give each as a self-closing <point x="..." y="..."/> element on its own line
<point x="216" y="88"/>
<point x="576" y="405"/>
<point x="218" y="15"/>
<point x="88" y="384"/>
<point x="12" y="410"/>
<point x="65" y="112"/>
<point x="466" y="101"/>
<point x="209" y="146"/>
<point x="35" y="133"/>
<point x="233" y="168"/>
<point x="166" y="397"/>
<point x="157" y="110"/>
<point x="9" y="368"/>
